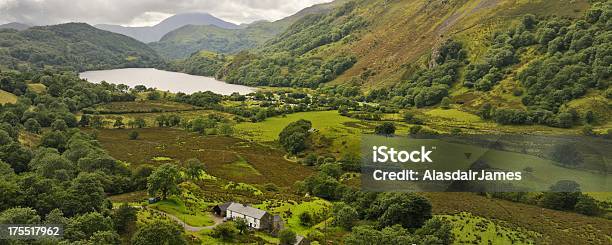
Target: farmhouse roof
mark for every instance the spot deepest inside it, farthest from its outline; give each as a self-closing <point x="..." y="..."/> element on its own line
<point x="223" y="207"/>
<point x="246" y="210"/>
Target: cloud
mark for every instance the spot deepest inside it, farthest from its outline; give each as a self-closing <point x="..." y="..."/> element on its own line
<point x="144" y="12"/>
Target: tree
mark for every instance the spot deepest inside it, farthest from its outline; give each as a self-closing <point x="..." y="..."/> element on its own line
<point x="19" y="216"/>
<point x="225" y="129"/>
<point x="563" y="195"/>
<point x="225" y="231"/>
<point x="293" y="137"/>
<point x="287" y="237"/>
<point x="86" y="195"/>
<point x="140" y="175"/>
<point x="5" y="138"/>
<point x="438" y="228"/>
<point x="133" y="135"/>
<point x="241" y="225"/>
<point x="85" y="120"/>
<point x="54" y="166"/>
<point x="445" y="103"/>
<point x="123" y="217"/>
<point x="54" y="139"/>
<point x="59" y="125"/>
<point x="306" y="219"/>
<point x="566" y="154"/>
<point x="154" y="95"/>
<point x="159" y="232"/>
<point x="16" y="155"/>
<point x="406" y="209"/>
<point x="84" y="226"/>
<point x="331" y="169"/>
<point x="345" y="216"/>
<point x="194" y="168"/>
<point x="587" y="205"/>
<point x="105" y="237"/>
<point x="31" y="125"/>
<point x="164" y="180"/>
<point x="387" y="129"/>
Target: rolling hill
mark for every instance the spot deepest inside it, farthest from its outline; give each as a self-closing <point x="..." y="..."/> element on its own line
<point x="75" y="46"/>
<point x="189" y="39"/>
<point x="15" y="25"/>
<point x="148" y="34"/>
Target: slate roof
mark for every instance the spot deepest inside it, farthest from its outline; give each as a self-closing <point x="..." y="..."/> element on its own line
<point x="224" y="206"/>
<point x="246" y="210"/>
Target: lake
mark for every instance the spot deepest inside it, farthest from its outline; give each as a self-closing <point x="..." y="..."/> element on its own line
<point x="164" y="80"/>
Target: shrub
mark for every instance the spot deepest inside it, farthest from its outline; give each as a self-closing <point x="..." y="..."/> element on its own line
<point x="133" y="135"/>
<point x="287" y="237"/>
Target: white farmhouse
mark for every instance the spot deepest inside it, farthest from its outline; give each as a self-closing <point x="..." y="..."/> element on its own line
<point x="256" y="218"/>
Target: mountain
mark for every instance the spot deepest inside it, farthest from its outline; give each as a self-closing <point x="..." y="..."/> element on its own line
<point x="190" y="39"/>
<point x="75" y="46"/>
<point x="537" y="62"/>
<point x="15" y="25"/>
<point x="154" y="33"/>
<point x="389" y="39"/>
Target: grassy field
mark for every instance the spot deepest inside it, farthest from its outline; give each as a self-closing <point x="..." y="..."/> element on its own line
<point x="470" y="229"/>
<point x="555" y="227"/>
<point x="6" y="97"/>
<point x="176" y="207"/>
<point x="343" y="132"/>
<point x="225" y="157"/>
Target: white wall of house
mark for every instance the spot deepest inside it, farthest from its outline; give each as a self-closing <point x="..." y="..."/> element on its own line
<point x="252" y="222"/>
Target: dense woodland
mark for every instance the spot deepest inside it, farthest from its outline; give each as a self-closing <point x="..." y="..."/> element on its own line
<point x="72" y="46"/>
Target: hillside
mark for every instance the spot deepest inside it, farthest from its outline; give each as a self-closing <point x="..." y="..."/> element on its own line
<point x="479" y="55"/>
<point x="75" y="46"/>
<point x="188" y="39"/>
<point x="184" y="41"/>
<point x="15" y="25"/>
<point x="154" y="33"/>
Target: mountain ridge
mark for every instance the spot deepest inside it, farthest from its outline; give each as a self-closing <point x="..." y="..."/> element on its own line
<point x="153" y="33"/>
<point x="15" y="25"/>
<point x="190" y="39"/>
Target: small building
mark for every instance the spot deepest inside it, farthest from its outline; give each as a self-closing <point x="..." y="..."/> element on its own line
<point x="221" y="209"/>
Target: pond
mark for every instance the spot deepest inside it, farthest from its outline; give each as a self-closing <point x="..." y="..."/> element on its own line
<point x="164" y="80"/>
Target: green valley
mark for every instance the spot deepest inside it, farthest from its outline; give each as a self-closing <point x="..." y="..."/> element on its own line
<point x="487" y="85"/>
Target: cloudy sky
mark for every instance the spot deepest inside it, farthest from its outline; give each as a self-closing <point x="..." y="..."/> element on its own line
<point x="143" y="12"/>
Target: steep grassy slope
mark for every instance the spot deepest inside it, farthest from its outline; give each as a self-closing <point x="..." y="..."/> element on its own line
<point x="189" y="39"/>
<point x="73" y="45"/>
<point x="391" y="38"/>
